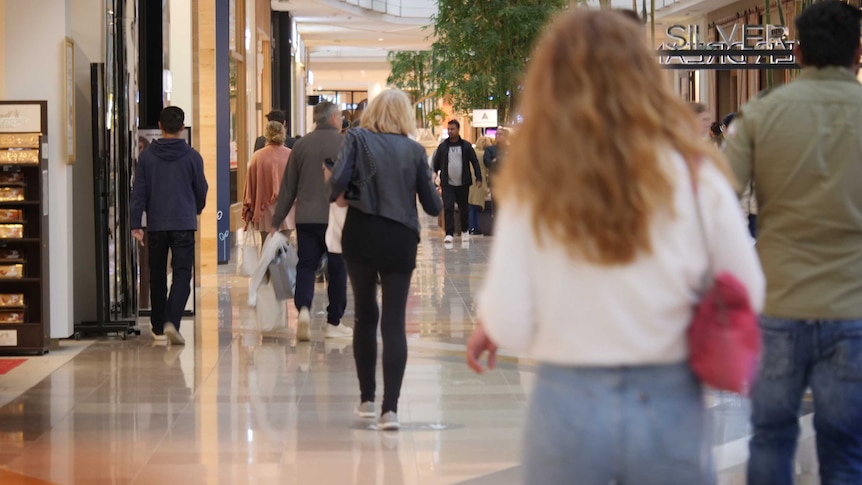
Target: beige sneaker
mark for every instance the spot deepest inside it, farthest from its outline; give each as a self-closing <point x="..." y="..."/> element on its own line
<point x="302" y="323"/>
<point x="388" y="422"/>
<point x="173" y="335"/>
<point x="366" y="410"/>
<point x="338" y="331"/>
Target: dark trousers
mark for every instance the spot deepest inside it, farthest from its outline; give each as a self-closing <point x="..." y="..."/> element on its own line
<point x="451" y="195"/>
<point x="396" y="288"/>
<point x="169" y="308"/>
<point x="311" y="242"/>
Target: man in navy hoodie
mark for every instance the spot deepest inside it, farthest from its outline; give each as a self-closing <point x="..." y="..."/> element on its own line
<point x="171" y="188"/>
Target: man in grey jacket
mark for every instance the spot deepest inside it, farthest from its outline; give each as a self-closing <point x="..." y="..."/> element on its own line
<point x="303" y="184"/>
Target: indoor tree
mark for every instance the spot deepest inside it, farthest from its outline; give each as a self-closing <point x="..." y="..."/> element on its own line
<point x="411" y="73"/>
<point x="482" y="48"/>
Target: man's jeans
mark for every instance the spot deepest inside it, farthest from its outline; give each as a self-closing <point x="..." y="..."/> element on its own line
<point x="827" y="357"/>
<point x="181" y="245"/>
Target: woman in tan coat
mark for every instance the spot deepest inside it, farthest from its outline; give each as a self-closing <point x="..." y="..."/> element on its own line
<point x="477" y="196"/>
<point x="264" y="178"/>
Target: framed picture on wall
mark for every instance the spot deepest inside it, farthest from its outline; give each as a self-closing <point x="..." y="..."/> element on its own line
<point x="70" y="100"/>
<point x="148" y="135"/>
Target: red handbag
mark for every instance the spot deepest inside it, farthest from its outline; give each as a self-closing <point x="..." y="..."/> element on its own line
<point x="724" y="336"/>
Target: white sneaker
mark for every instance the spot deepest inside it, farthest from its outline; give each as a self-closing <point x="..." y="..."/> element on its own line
<point x="448" y="239"/>
<point x="302" y="332"/>
<point x="337" y="331"/>
<point x="388" y="422"/>
<point x="160" y="339"/>
<point x="366" y="410"/>
<point x="174" y="335"/>
<point x="465" y="236"/>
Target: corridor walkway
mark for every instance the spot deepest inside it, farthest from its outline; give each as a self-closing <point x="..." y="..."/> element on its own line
<point x="233" y="407"/>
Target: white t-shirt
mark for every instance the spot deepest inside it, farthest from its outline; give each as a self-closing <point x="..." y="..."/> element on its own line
<point x="456" y="166"/>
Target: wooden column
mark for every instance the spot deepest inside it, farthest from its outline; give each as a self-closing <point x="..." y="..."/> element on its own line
<point x="205" y="133"/>
<point x="206" y="140"/>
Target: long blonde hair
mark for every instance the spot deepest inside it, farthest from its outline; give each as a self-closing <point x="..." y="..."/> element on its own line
<point x="587" y="160"/>
<point x="390" y="112"/>
<point x="483" y="142"/>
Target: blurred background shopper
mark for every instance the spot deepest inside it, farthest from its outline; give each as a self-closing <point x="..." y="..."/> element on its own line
<point x="380" y="172"/>
<point x="598" y="281"/>
<point x="478" y="194"/>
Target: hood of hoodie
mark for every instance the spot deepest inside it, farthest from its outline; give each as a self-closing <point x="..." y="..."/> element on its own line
<point x="170" y="149"/>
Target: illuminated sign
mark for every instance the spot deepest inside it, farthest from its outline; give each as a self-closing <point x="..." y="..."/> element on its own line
<point x="737" y="47"/>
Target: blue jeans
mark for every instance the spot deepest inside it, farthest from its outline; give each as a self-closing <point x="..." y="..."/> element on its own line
<point x="474" y="217"/>
<point x="594" y="426"/>
<point x="827" y="357"/>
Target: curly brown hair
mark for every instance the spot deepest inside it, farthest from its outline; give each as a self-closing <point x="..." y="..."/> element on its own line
<point x="590" y="159"/>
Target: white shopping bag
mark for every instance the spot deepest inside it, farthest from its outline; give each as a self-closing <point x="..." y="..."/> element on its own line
<point x="269" y="312"/>
<point x="248" y="251"/>
<point x="282" y="272"/>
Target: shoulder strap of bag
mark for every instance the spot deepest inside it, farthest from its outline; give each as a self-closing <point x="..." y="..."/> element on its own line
<point x="709" y="276"/>
<point x="372" y="167"/>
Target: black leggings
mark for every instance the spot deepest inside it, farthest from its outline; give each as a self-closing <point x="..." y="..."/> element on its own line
<point x="396" y="287"/>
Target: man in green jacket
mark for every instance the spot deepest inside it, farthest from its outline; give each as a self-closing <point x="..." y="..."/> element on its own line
<point x="802" y="145"/>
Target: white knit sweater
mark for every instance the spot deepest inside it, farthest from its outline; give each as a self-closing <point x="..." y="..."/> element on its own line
<point x="539" y="302"/>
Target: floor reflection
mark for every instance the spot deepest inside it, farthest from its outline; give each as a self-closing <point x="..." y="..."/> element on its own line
<point x="236" y="406"/>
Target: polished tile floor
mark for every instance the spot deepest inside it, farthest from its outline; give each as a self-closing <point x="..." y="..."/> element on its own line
<point x="234" y="406"/>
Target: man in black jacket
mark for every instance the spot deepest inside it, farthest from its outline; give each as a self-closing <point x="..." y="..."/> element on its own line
<point x="451" y="164"/>
<point x="275" y="115"/>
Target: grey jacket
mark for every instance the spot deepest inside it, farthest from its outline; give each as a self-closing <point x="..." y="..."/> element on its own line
<point x="389" y="175"/>
<point x="303" y="178"/>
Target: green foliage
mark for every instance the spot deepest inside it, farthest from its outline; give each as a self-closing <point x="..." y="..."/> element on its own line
<point x="435" y="117"/>
<point x="411" y="73"/>
<point x="482" y="48"/>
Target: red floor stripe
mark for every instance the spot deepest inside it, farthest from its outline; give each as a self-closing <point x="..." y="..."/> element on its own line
<point x="8" y="364"/>
<point x="10" y="478"/>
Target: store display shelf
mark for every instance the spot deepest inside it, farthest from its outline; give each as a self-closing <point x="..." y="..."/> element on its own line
<point x="4" y="203"/>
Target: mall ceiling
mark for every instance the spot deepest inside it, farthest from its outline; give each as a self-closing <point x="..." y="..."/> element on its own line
<point x="348" y="39"/>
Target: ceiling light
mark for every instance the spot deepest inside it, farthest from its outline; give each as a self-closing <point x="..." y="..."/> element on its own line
<point x="380" y="39"/>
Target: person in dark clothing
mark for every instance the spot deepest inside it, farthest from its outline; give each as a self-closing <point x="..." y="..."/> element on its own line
<point x="171" y="188"/>
<point x="452" y="164"/>
<point x="494" y="153"/>
<point x="303" y="186"/>
<point x="380" y="238"/>
<point x="275" y="115"/>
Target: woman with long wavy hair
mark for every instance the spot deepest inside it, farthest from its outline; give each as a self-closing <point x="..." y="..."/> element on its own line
<point x="599" y="258"/>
